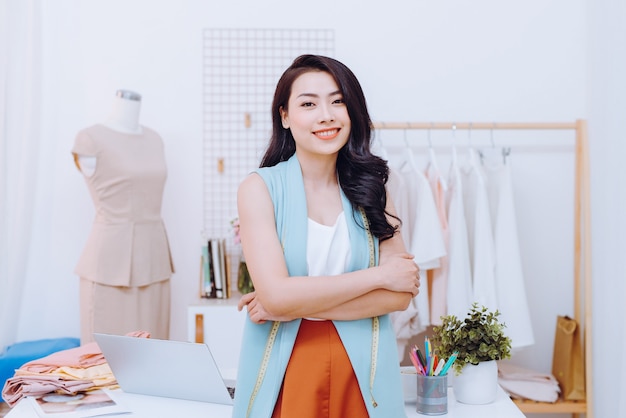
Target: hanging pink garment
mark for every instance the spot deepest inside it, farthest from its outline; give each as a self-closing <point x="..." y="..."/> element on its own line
<point x="397" y="191"/>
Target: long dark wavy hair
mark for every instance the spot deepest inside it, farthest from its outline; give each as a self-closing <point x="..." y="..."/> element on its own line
<point x="362" y="175"/>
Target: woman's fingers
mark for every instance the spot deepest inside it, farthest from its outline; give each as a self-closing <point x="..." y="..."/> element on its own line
<point x="245" y="300"/>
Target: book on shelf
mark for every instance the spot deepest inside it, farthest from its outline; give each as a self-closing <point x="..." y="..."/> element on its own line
<point x="93" y="403"/>
<point x="206" y="288"/>
<point x="215" y="273"/>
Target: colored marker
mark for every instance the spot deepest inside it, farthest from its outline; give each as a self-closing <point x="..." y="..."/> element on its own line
<point x="438" y="369"/>
<point x="449" y="363"/>
<point x="420" y="356"/>
<point x="415" y="362"/>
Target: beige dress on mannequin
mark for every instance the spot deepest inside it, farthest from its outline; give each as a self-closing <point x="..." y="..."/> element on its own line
<point x="126" y="265"/>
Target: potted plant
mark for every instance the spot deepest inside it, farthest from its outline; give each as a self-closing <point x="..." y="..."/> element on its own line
<point x="244" y="281"/>
<point x="479" y="340"/>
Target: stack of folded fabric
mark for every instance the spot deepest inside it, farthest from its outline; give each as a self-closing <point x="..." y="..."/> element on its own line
<point x="68" y="371"/>
<point x="521" y="383"/>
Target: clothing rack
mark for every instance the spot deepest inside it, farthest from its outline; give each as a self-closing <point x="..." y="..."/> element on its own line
<point x="582" y="242"/>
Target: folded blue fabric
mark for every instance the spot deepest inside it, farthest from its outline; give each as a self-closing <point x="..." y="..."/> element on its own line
<point x="18" y="354"/>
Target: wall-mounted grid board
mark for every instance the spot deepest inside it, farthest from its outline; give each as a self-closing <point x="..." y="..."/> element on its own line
<point x="240" y="70"/>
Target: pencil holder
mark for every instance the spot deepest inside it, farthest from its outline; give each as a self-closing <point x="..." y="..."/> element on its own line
<point x="432" y="394"/>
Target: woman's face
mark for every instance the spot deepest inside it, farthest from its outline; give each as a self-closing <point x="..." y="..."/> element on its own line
<point x="317" y="116"/>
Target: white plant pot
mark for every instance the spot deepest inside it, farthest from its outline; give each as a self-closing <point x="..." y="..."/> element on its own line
<point x="477" y="384"/>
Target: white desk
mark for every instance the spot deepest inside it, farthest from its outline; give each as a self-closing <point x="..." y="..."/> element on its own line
<point x="155" y="407"/>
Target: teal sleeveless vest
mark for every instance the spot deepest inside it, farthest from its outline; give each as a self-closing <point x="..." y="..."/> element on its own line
<point x="266" y="348"/>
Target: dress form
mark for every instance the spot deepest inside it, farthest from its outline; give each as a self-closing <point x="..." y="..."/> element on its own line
<point x="124" y="117"/>
<point x="126" y="264"/>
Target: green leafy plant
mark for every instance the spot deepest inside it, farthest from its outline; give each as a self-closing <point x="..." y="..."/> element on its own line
<point x="479" y="337"/>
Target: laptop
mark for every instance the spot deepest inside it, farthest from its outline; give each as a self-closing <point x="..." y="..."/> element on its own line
<point x="172" y="369"/>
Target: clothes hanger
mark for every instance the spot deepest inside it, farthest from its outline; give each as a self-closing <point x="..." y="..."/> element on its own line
<point x="409" y="152"/>
<point x="506" y="151"/>
<point x="454" y="157"/>
<point x="492" y="152"/>
<point x="472" y="152"/>
<point x="485" y="153"/>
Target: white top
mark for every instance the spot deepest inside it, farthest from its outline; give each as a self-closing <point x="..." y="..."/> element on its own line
<point x="328" y="248"/>
<point x="509" y="277"/>
<point x="459" y="294"/>
<point x="426" y="238"/>
<point x="479" y="233"/>
<point x="427" y="243"/>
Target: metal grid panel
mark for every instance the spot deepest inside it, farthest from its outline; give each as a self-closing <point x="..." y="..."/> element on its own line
<point x="240" y="70"/>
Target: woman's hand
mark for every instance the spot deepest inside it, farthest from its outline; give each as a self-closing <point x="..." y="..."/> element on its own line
<point x="401" y="273"/>
<point x="256" y="311"/>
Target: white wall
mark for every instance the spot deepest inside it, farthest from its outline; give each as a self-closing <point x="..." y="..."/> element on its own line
<point x="607" y="107"/>
<point x="484" y="60"/>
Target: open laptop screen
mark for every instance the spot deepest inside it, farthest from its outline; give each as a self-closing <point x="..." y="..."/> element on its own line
<point x="173" y="369"/>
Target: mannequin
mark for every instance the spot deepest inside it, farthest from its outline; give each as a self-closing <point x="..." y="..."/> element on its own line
<point x="124" y="117"/>
<point x="126" y="265"/>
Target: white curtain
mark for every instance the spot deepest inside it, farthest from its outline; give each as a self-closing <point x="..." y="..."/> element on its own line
<point x="20" y="76"/>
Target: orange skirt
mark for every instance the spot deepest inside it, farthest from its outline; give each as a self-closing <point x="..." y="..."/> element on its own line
<point x="319" y="381"/>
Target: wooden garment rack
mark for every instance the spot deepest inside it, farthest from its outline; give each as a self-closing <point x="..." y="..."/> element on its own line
<point x="582" y="243"/>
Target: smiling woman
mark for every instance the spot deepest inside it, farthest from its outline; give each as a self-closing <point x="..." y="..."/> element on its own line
<point x="322" y="244"/>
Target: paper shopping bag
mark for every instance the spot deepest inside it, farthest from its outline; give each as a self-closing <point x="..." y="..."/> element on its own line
<point x="567" y="359"/>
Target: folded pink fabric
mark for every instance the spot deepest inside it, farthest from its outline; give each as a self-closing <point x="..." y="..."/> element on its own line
<point x="83" y="356"/>
<point x="43" y="381"/>
<point x="523" y="383"/>
<point x="18" y="387"/>
<point x="86" y="355"/>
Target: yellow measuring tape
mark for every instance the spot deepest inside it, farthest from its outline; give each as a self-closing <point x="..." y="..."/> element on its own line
<point x="266" y="358"/>
<point x="375" y="320"/>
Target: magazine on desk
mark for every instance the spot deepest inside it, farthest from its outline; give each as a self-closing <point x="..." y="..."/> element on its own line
<point x="93" y="403"/>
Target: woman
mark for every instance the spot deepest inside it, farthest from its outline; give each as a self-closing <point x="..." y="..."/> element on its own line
<point x="318" y="341"/>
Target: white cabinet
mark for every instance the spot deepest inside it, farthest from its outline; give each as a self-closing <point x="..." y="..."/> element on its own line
<point x="219" y="324"/>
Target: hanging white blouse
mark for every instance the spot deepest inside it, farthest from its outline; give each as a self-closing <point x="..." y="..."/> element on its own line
<point x="509" y="277"/>
<point x="427" y="243"/>
<point x="459" y="294"/>
<point x="479" y="232"/>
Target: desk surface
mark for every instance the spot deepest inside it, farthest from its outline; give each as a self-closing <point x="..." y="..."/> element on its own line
<point x="157" y="407"/>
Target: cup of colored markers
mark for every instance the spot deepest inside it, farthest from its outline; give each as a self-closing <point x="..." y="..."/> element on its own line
<point x="432" y="380"/>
